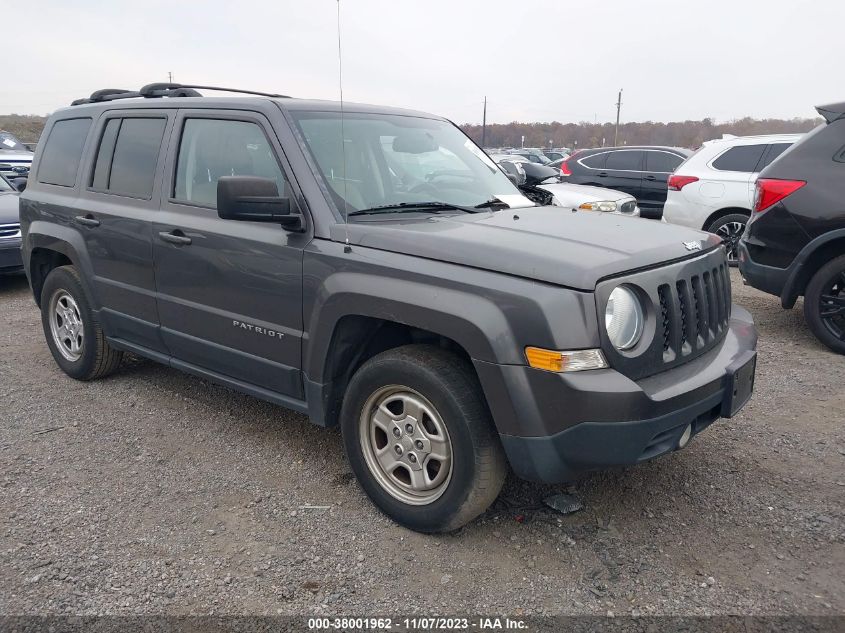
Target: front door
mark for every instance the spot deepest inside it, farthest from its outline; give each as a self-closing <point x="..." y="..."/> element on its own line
<point x="229" y="292"/>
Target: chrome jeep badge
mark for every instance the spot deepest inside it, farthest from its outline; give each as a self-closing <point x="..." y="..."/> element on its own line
<point x="692" y="246"/>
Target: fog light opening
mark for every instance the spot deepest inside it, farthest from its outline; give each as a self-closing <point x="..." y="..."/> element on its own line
<point x="685" y="436"/>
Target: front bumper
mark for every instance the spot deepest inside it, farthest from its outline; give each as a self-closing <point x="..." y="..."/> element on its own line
<point x="10" y="256"/>
<point x="555" y="427"/>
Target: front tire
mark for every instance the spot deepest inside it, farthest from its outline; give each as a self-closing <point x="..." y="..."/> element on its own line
<point x="730" y="228"/>
<point x="420" y="440"/>
<point x="72" y="329"/>
<point x="824" y="304"/>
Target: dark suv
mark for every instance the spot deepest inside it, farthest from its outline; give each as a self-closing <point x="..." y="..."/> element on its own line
<point x="641" y="171"/>
<point x="372" y="267"/>
<point x="794" y="243"/>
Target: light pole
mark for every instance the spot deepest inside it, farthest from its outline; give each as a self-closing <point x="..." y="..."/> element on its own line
<point x="484" y="125"/>
<point x="618" y="110"/>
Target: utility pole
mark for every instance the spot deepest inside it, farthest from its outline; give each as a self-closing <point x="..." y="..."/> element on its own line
<point x="484" y="125"/>
<point x="618" y="110"/>
<point x="169" y="77"/>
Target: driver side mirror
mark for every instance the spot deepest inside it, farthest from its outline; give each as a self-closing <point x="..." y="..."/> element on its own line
<point x="252" y="199"/>
<point x="19" y="183"/>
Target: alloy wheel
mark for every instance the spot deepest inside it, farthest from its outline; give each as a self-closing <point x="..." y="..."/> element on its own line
<point x="731" y="232"/>
<point x="406" y="445"/>
<point x="832" y="305"/>
<point x="66" y="325"/>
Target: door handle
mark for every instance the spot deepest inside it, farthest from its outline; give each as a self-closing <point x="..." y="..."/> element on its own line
<point x="175" y="237"/>
<point x="603" y="174"/>
<point x="651" y="178"/>
<point x="87" y="220"/>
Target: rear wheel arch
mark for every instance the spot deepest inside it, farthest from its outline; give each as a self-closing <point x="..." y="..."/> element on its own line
<point x="721" y="213"/>
<point x="809" y="262"/>
<point x="42" y="261"/>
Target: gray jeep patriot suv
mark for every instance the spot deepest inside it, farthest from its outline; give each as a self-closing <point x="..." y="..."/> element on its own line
<point x="373" y="268"/>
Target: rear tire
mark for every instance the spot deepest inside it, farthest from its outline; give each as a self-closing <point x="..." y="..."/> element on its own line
<point x="824" y="304"/>
<point x="420" y="439"/>
<point x="730" y="228"/>
<point x="72" y="329"/>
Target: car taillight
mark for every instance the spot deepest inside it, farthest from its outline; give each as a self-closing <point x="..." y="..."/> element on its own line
<point x="676" y="183"/>
<point x="564" y="169"/>
<point x="770" y="191"/>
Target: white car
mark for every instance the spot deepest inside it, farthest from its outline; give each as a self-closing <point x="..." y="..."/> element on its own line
<point x="713" y="189"/>
<point x="15" y="158"/>
<point x="571" y="196"/>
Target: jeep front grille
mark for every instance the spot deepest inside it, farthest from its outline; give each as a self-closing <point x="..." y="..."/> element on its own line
<point x="693" y="320"/>
<point x="688" y="303"/>
<point x="9" y="231"/>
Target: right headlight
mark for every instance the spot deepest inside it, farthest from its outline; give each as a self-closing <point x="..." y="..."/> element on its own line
<point x="623" y="318"/>
<point x="601" y="205"/>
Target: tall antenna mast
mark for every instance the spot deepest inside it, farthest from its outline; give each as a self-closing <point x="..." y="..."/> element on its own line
<point x="346" y="248"/>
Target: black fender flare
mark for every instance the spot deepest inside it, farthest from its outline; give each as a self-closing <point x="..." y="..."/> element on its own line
<point x="474" y="322"/>
<point x="792" y="286"/>
<point x="67" y="241"/>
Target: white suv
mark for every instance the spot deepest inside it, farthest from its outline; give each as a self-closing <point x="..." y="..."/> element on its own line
<point x="714" y="188"/>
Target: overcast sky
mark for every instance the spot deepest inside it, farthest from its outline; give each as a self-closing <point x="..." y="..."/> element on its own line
<point x="535" y="60"/>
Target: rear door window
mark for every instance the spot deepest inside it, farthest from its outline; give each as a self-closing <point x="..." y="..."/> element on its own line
<point x="743" y="158"/>
<point x="625" y="160"/>
<point x="662" y="162"/>
<point x="63" y="151"/>
<point x="127" y="156"/>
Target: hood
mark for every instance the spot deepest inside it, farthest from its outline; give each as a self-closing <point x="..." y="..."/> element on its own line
<point x="549" y="244"/>
<point x="9" y="213"/>
<point x="570" y="194"/>
<point x="15" y="155"/>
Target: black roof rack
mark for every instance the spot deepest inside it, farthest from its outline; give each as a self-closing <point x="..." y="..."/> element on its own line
<point x="159" y="90"/>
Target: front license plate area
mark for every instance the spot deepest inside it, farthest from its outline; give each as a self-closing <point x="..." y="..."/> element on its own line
<point x="739" y="384"/>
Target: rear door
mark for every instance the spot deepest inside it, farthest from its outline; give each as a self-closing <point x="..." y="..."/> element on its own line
<point x="229" y="292"/>
<point x="624" y="171"/>
<point x="659" y="165"/>
<point x="119" y="199"/>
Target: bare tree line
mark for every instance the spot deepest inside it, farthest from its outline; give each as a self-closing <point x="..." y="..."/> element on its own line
<point x="689" y="134"/>
<point x="677" y="134"/>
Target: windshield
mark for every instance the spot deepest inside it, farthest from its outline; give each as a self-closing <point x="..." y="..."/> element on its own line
<point x="8" y="142"/>
<point x="400" y="160"/>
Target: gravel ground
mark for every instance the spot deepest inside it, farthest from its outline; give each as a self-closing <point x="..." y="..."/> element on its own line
<point x="156" y="492"/>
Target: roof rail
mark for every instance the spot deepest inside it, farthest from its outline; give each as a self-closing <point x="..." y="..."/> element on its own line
<point x="158" y="90"/>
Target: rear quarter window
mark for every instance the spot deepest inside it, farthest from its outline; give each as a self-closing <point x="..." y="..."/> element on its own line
<point x="62" y="152"/>
<point x="596" y="161"/>
<point x="743" y="158"/>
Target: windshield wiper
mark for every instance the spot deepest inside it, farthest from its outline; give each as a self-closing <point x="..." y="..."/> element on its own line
<point x="411" y="207"/>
